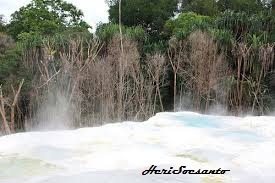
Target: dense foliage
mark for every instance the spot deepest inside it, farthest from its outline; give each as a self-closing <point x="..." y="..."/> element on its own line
<point x="2" y="24"/>
<point x="169" y="55"/>
<point x="151" y="15"/>
<point x="46" y="17"/>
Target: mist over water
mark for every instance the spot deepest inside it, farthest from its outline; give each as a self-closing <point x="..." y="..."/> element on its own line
<point x="55" y="113"/>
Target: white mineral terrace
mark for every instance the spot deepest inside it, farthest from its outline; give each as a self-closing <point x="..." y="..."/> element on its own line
<point x="119" y="153"/>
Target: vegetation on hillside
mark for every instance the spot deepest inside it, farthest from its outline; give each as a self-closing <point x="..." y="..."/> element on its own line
<point x="180" y="54"/>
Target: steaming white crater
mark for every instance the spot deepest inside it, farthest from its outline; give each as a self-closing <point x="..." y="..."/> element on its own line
<point x="118" y="153"/>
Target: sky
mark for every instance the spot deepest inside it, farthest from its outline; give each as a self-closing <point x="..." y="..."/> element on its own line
<point x="95" y="11"/>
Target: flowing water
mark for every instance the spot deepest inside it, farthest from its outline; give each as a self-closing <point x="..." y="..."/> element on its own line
<point x="119" y="153"/>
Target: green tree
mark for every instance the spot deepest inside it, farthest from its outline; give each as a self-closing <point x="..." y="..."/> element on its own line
<point x="11" y="67"/>
<point x="203" y="7"/>
<point x="2" y="24"/>
<point x="151" y="15"/>
<point x="46" y="17"/>
<point x="105" y="32"/>
<point x="186" y="23"/>
<point x="250" y="6"/>
<point x="272" y="6"/>
<point x="245" y="26"/>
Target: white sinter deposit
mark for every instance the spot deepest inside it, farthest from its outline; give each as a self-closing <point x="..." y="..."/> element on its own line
<point x="119" y="153"/>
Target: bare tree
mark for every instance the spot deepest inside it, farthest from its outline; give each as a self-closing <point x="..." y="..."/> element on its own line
<point x="3" y="110"/>
<point x="6" y="126"/>
<point x="266" y="58"/>
<point x="120" y="27"/>
<point x="201" y="68"/>
<point x="177" y="56"/>
<point x="242" y="52"/>
<point x="157" y="68"/>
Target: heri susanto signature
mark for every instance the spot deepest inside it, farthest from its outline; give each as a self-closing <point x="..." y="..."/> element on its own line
<point x="181" y="170"/>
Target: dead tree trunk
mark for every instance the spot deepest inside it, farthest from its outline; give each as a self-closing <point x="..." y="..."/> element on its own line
<point x="13" y="106"/>
<point x="3" y="114"/>
<point x="9" y="128"/>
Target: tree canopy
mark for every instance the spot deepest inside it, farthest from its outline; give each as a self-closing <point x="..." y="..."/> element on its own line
<point x="213" y="7"/>
<point x="203" y="7"/>
<point x="46" y="17"/>
<point x="202" y="52"/>
<point x="2" y="24"/>
<point x="251" y="6"/>
<point x="186" y="23"/>
<point x="151" y="15"/>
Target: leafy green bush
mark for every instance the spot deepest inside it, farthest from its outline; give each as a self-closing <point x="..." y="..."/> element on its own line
<point x="105" y="32"/>
<point x="186" y="23"/>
